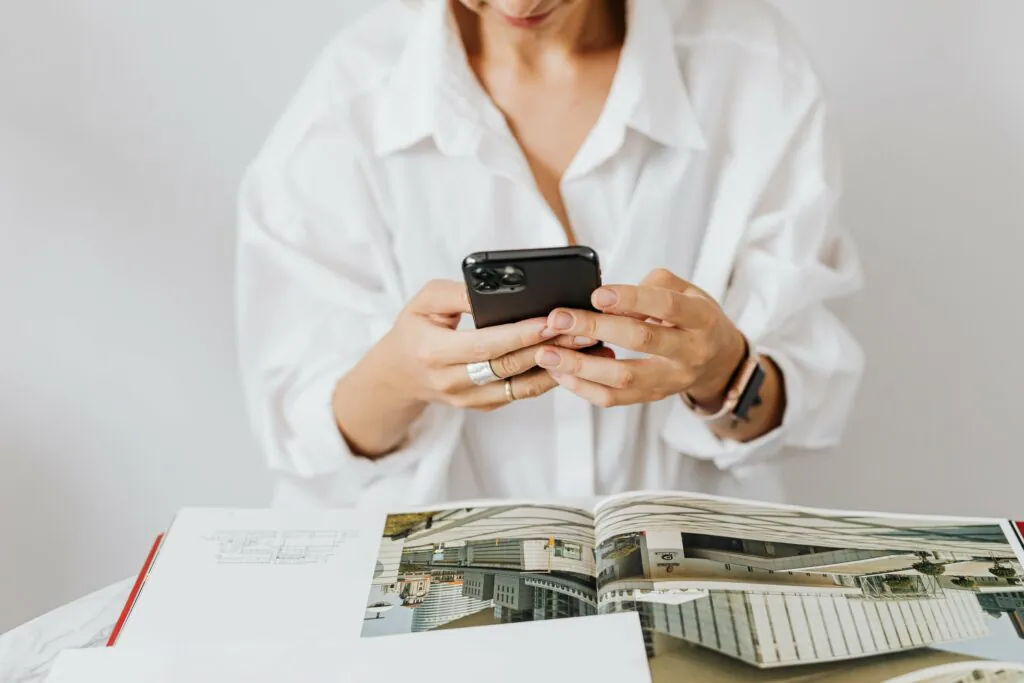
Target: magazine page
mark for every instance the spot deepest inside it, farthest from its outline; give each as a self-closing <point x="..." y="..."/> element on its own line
<point x="224" y="576"/>
<point x="482" y="565"/>
<point x="734" y="590"/>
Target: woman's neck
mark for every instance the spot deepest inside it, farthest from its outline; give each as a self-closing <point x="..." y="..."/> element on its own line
<point x="592" y="26"/>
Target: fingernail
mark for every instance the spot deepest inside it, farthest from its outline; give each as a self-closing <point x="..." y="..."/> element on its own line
<point x="562" y="321"/>
<point x="603" y="298"/>
<point x="548" y="333"/>
<point x="583" y="341"/>
<point x="548" y="359"/>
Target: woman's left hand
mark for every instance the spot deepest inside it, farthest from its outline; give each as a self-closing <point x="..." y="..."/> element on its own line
<point x="692" y="345"/>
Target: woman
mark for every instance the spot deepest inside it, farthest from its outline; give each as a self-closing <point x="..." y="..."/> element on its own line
<point x="684" y="140"/>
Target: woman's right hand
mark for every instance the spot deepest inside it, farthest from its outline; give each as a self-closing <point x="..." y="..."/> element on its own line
<point x="423" y="359"/>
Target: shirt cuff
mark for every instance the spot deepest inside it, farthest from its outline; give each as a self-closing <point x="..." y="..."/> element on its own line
<point x="687" y="433"/>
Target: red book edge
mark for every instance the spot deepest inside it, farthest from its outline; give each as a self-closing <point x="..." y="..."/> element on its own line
<point x="136" y="589"/>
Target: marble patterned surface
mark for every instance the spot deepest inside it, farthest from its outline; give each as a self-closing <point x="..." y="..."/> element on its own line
<point x="28" y="651"/>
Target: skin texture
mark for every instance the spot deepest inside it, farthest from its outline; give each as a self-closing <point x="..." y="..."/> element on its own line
<point x="548" y="66"/>
<point x="550" y="82"/>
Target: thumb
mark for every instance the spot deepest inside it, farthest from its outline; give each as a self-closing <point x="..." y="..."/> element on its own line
<point x="445" y="298"/>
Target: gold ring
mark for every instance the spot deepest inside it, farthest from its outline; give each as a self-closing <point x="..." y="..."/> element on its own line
<point x="509" y="394"/>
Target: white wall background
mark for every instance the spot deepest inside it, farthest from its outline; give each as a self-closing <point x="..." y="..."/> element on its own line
<point x="124" y="128"/>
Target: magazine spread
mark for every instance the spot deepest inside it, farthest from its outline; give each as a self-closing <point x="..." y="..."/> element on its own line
<point x="715" y="589"/>
<point x="725" y="589"/>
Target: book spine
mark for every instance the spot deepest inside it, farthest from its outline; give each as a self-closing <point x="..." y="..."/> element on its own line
<point x="1018" y="532"/>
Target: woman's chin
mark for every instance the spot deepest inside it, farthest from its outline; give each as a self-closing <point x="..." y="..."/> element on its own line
<point x="531" y="22"/>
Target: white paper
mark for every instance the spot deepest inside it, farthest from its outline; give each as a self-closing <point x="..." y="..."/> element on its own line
<point x="255" y="576"/>
<point x="965" y="671"/>
<point x="598" y="648"/>
<point x="670" y="596"/>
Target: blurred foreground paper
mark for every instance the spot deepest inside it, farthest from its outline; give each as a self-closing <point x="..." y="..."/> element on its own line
<point x="539" y="651"/>
<point x="969" y="672"/>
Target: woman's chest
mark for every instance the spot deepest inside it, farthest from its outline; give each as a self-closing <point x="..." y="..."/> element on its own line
<point x="645" y="208"/>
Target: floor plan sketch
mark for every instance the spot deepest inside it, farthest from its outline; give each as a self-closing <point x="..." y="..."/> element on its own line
<point x="277" y="547"/>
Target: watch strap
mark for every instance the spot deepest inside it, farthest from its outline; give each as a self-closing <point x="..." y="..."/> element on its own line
<point x="743" y="392"/>
<point x="751" y="395"/>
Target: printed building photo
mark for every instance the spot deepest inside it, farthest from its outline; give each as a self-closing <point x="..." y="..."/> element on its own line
<point x="736" y="587"/>
<point x="482" y="566"/>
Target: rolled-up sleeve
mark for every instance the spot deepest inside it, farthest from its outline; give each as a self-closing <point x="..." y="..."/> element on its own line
<point x="316" y="288"/>
<point x="793" y="260"/>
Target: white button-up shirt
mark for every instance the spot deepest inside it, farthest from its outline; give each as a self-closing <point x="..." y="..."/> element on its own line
<point x="710" y="158"/>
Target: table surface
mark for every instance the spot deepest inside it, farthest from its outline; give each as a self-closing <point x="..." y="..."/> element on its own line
<point x="27" y="652"/>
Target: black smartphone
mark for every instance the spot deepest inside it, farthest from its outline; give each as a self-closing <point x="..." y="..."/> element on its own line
<point x="509" y="286"/>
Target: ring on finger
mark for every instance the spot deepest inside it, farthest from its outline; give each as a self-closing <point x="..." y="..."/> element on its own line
<point x="481" y="373"/>
<point x="510" y="393"/>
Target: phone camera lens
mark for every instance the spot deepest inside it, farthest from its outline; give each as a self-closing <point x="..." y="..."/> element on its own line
<point x="512" y="276"/>
<point x="484" y="274"/>
<point x="485" y="286"/>
<point x="512" y="279"/>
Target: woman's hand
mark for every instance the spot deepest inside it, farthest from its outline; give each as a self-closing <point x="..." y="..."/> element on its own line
<point x="424" y="357"/>
<point x="423" y="360"/>
<point x="693" y="347"/>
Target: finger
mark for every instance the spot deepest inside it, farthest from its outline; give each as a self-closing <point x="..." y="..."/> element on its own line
<point x="524" y="385"/>
<point x="687" y="309"/>
<point x="598" y="394"/>
<point x="626" y="314"/>
<point x="532" y="384"/>
<point x="617" y="374"/>
<point x="600" y="352"/>
<point x="518" y="362"/>
<point x="621" y="331"/>
<point x="473" y="346"/>
<point x="455" y="378"/>
<point x="441" y="298"/>
<point x="449" y="321"/>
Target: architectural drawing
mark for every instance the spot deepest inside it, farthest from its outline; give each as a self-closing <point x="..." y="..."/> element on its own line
<point x="277" y="547"/>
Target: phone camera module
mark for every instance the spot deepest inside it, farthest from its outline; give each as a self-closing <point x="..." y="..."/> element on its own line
<point x="497" y="280"/>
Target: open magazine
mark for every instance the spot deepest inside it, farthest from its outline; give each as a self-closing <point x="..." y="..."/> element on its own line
<point x="726" y="590"/>
<point x="713" y="589"/>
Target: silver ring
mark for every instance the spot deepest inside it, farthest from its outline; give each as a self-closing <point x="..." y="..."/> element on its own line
<point x="481" y="373"/>
<point x="509" y="394"/>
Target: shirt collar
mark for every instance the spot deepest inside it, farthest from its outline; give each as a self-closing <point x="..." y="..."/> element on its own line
<point x="648" y="93"/>
<point x="432" y="91"/>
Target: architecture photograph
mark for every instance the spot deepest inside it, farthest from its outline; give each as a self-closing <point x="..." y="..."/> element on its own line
<point x="482" y="566"/>
<point x="773" y="588"/>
